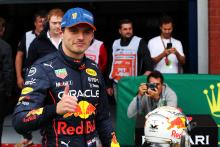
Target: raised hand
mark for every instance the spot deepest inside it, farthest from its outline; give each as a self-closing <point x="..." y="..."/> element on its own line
<point x="67" y="104"/>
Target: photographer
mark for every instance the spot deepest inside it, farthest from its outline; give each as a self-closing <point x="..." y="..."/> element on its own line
<point x="152" y="95"/>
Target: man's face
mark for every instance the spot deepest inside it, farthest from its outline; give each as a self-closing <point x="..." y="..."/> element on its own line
<point x="166" y="30"/>
<point x="55" y="25"/>
<point x="39" y="23"/>
<point x="76" y="40"/>
<point x="157" y="81"/>
<point x="126" y="30"/>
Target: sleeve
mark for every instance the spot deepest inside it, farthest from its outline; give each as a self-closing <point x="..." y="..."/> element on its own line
<point x="134" y="107"/>
<point x="32" y="52"/>
<point x="109" y="82"/>
<point x="22" y="45"/>
<point x="145" y="62"/>
<point x="30" y="112"/>
<point x="171" y="98"/>
<point x="8" y="70"/>
<point x="103" y="118"/>
<point x="180" y="48"/>
<point x="103" y="58"/>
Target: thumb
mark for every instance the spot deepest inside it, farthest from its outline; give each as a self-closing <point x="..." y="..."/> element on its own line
<point x="66" y="90"/>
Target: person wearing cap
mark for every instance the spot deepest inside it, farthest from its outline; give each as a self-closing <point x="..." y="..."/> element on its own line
<point x="64" y="93"/>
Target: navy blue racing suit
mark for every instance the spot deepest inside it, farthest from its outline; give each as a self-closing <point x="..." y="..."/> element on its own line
<point x="44" y="87"/>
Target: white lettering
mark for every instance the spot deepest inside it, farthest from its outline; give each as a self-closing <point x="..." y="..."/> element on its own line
<point x="199" y="140"/>
<point x="87" y="93"/>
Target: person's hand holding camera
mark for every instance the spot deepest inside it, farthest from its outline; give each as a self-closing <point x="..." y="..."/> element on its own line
<point x="142" y="89"/>
<point x="152" y="91"/>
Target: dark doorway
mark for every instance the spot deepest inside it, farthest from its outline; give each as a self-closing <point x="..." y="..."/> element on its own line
<point x="145" y="15"/>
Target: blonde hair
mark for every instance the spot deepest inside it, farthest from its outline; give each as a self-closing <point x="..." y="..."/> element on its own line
<point x="55" y="12"/>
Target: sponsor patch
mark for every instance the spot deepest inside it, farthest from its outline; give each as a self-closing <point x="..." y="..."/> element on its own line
<point x="61" y="73"/>
<point x="91" y="72"/>
<point x="35" y="112"/>
<point x="32" y="71"/>
<point x="26" y="90"/>
<point x="31" y="82"/>
<point x="64" y="83"/>
<point x="88" y="93"/>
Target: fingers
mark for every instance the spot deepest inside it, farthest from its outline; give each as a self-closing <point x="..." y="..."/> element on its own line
<point x="66" y="90"/>
<point x="142" y="89"/>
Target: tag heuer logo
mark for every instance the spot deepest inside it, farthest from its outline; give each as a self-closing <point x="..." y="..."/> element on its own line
<point x="61" y="73"/>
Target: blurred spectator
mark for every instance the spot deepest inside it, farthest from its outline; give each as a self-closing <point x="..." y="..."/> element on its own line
<point x="98" y="53"/>
<point x="23" y="46"/>
<point x="130" y="54"/>
<point x="21" y="56"/>
<point x="2" y="27"/>
<point x="166" y="51"/>
<point x="49" y="39"/>
<point x="6" y="79"/>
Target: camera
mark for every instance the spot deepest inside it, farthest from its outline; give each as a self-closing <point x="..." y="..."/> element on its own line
<point x="152" y="86"/>
<point x="169" y="45"/>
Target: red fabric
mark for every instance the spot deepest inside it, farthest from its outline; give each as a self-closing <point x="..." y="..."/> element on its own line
<point x="13" y="145"/>
<point x="103" y="58"/>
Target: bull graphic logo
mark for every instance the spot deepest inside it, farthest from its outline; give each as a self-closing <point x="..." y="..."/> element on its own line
<point x="83" y="110"/>
<point x="178" y="122"/>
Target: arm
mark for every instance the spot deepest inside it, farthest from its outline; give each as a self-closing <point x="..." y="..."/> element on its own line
<point x="180" y="57"/>
<point x="103" y="58"/>
<point x="133" y="110"/>
<point x="171" y="97"/>
<point x="30" y="112"/>
<point x="145" y="62"/>
<point x="178" y="51"/>
<point x="103" y="118"/>
<point x="161" y="56"/>
<point x="18" y="66"/>
<point x="138" y="103"/>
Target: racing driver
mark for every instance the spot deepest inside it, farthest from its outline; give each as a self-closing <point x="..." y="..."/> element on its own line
<point x="64" y="93"/>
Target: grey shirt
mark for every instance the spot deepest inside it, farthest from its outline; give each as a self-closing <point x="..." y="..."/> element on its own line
<point x="146" y="104"/>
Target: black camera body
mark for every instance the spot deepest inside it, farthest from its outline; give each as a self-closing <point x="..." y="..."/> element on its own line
<point x="152" y="86"/>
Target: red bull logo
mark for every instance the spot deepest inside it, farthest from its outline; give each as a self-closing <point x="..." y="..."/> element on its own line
<point x="64" y="129"/>
<point x="178" y="122"/>
<point x="114" y="142"/>
<point x="83" y="110"/>
<point x="35" y="112"/>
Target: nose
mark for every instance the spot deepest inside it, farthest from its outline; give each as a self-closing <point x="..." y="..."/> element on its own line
<point x="80" y="36"/>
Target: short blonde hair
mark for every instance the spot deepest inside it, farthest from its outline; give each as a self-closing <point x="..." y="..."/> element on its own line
<point x="55" y="12"/>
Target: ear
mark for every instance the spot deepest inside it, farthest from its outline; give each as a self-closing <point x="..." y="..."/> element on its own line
<point x="119" y="31"/>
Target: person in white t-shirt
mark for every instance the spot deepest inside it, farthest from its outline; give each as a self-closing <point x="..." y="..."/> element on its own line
<point x="166" y="51"/>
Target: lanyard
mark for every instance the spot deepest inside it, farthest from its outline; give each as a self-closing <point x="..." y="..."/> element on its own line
<point x="163" y="42"/>
<point x="166" y="57"/>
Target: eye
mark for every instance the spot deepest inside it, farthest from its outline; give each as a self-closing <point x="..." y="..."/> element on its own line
<point x="87" y="32"/>
<point x="74" y="30"/>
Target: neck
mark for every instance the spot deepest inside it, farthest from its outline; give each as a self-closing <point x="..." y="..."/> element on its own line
<point x="165" y="37"/>
<point x="37" y="32"/>
<point x="53" y="35"/>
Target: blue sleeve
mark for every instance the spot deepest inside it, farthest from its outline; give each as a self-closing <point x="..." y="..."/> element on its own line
<point x="30" y="112"/>
<point x="103" y="119"/>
